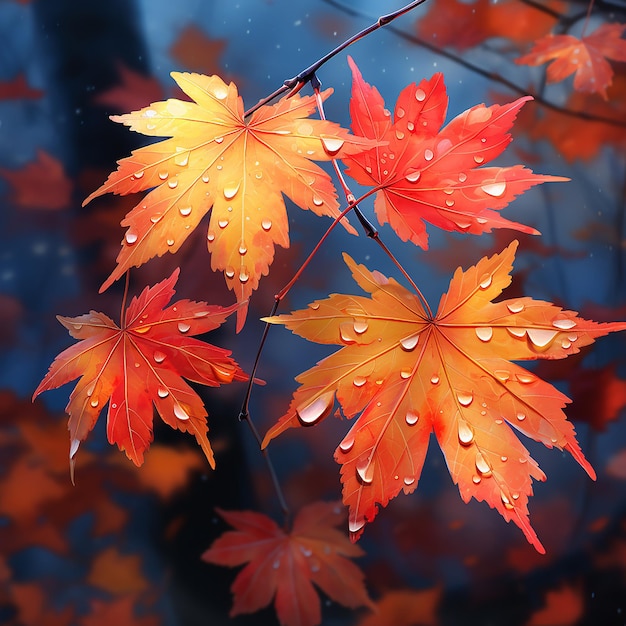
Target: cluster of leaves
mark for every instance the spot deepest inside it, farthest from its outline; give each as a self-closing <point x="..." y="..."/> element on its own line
<point x="404" y="370"/>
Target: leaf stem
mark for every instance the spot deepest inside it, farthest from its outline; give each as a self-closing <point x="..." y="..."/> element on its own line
<point x="124" y="296"/>
<point x="296" y="82"/>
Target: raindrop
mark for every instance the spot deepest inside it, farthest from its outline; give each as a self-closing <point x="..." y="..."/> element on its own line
<point x="481" y="465"/>
<point x="205" y="178"/>
<point x="94" y="403"/>
<point x="210" y="237"/>
<point x="90" y="390"/>
<point x="306" y="551"/>
<point x="414" y="176"/>
<point x="409" y="480"/>
<point x="484" y="333"/>
<point x="354" y="525"/>
<point x="515" y="307"/>
<point x="494" y="189"/>
<point x="504" y="459"/>
<point x="409" y="343"/>
<point x="316" y="410"/>
<point x="410" y="126"/>
<point x="405" y="374"/>
<point x="359" y="381"/>
<point x="478" y="159"/>
<point x="462" y="177"/>
<point x="131" y="238"/>
<point x="163" y="175"/>
<point x="74" y="444"/>
<point x="399" y="135"/>
<point x="465" y="398"/>
<point x="360" y="325"/>
<point x="502" y="375"/>
<point x="449" y="203"/>
<point x="516" y="332"/>
<point x="229" y="272"/>
<point x="521" y="416"/>
<point x="266" y="225"/>
<point x="505" y="500"/>
<point x="347" y="443"/>
<point x="244" y="277"/>
<point x="180" y="413"/>
<point x="485" y="281"/>
<point x="139" y="174"/>
<point x="162" y="392"/>
<point x="540" y="337"/>
<point x="170" y="241"/>
<point x="219" y="139"/>
<point x="466" y="433"/>
<point x="564" y="324"/>
<point x="565" y="344"/>
<point x="420" y="95"/>
<point x="220" y="91"/>
<point x="317" y="201"/>
<point x="365" y="472"/>
<point x="411" y="418"/>
<point x="230" y="191"/>
<point x="400" y="112"/>
<point x="525" y="379"/>
<point x="434" y="379"/>
<point x="159" y="357"/>
<point x="476" y="479"/>
<point x="222" y="223"/>
<point x="428" y="155"/>
<point x="182" y="158"/>
<point x="157" y="217"/>
<point x="332" y="145"/>
<point x="185" y="211"/>
<point x="183" y="327"/>
<point x="242" y="248"/>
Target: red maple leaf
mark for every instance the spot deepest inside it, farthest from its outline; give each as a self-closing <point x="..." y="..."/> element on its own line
<point x="141" y="363"/>
<point x="284" y="565"/>
<point x="427" y="174"/>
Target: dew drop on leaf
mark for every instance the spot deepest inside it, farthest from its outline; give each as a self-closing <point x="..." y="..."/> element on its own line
<point x="266" y="225"/>
<point x="434" y="379"/>
<point x="365" y="471"/>
<point x="159" y="357"/>
<point x="414" y="176"/>
<point x="409" y="480"/>
<point x="462" y="177"/>
<point x="170" y="241"/>
<point x="515" y="306"/>
<point x="131" y="238"/>
<point x="185" y="211"/>
<point x="484" y="333"/>
<point x="481" y="465"/>
<point x="485" y="281"/>
<point x="332" y="145"/>
<point x="521" y="416"/>
<point x="163" y="175"/>
<point x="162" y="392"/>
<point x="184" y="327"/>
<point x="476" y="479"/>
<point x="465" y="432"/>
<point x="355" y="524"/>
<point x="360" y="326"/>
<point x="409" y="343"/>
<point x="428" y="154"/>
<point x="317" y="201"/>
<point x="465" y="398"/>
<point x="420" y="95"/>
<point x="320" y="407"/>
<point x="222" y="223"/>
<point x="347" y="443"/>
<point x="243" y="275"/>
<point x="478" y="159"/>
<point x="411" y="418"/>
<point x="564" y="324"/>
<point x="180" y="413"/>
<point x="541" y="338"/>
<point x="230" y="190"/>
<point x="494" y="189"/>
<point x="359" y="381"/>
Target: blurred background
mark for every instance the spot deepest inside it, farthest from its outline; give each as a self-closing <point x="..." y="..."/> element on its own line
<point x="123" y="546"/>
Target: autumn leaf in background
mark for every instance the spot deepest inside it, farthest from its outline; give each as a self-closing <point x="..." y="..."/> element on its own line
<point x="433" y="175"/>
<point x="284" y="566"/>
<point x="141" y="363"/>
<point x="585" y="56"/>
<point x="239" y="169"/>
<point x="410" y="373"/>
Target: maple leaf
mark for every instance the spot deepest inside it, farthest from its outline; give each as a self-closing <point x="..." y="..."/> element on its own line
<point x="586" y="56"/>
<point x="140" y="363"/>
<point x="410" y="373"/>
<point x="427" y="174"/>
<point x="217" y="160"/>
<point x="283" y="565"/>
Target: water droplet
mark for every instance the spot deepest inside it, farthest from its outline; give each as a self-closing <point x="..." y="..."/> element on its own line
<point x="360" y="325"/>
<point x="449" y="203"/>
<point x="332" y="145"/>
<point x="142" y="330"/>
<point x="182" y="157"/>
<point x="219" y="140"/>
<point x="478" y="159"/>
<point x="162" y="392"/>
<point x="476" y="479"/>
<point x="505" y="500"/>
<point x="317" y="201"/>
<point x="74" y="445"/>
<point x="405" y="374"/>
<point x="526" y="378"/>
<point x="244" y="277"/>
<point x="400" y="113"/>
<point x="498" y="421"/>
<point x="347" y="443"/>
<point x="565" y="344"/>
<point x="205" y="178"/>
<point x="131" y="238"/>
<point x="222" y="223"/>
<point x="466" y="432"/>
<point x="184" y="327"/>
<point x="434" y="379"/>
<point x="139" y="174"/>
<point x="229" y="272"/>
<point x="242" y="248"/>
<point x="210" y="237"/>
<point x="365" y="472"/>
<point x="266" y="225"/>
<point x="399" y="135"/>
<point x="409" y="343"/>
<point x="485" y="281"/>
<point x="521" y="416"/>
<point x="515" y="307"/>
<point x="411" y="418"/>
<point x="359" y="381"/>
<point x="420" y="95"/>
<point x="163" y="175"/>
<point x="540" y="337"/>
<point x="462" y="177"/>
<point x="428" y="154"/>
<point x="564" y="324"/>
<point x="185" y="211"/>
<point x="494" y="189"/>
<point x="484" y="333"/>
<point x="409" y="480"/>
<point x="516" y="332"/>
<point x="180" y="413"/>
<point x="481" y="465"/>
<point x="159" y="357"/>
<point x="502" y="375"/>
<point x="90" y="390"/>
<point x="94" y="403"/>
<point x="411" y="126"/>
<point x="504" y="459"/>
<point x="220" y="91"/>
<point x="170" y="242"/>
<point x="157" y="217"/>
<point x="355" y="524"/>
<point x="316" y="410"/>
<point x="230" y="191"/>
<point x="465" y="398"/>
<point x="414" y="176"/>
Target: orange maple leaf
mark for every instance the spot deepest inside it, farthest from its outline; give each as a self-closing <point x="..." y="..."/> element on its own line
<point x="217" y="160"/>
<point x="411" y="373"/>
<point x="586" y="56"/>
<point x="139" y="363"/>
<point x="283" y="565"/>
<point x="430" y="175"/>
